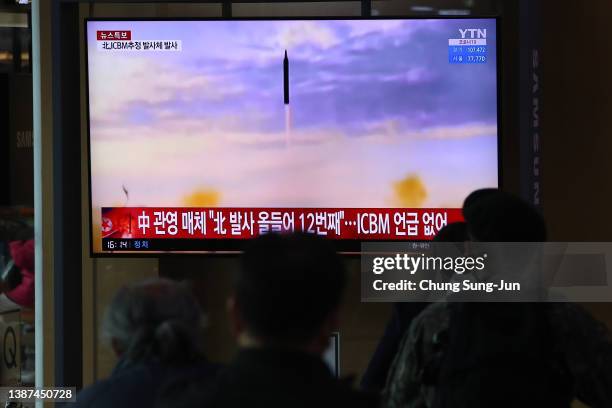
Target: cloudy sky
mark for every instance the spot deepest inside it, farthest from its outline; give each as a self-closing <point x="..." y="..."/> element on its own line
<point x="372" y="103"/>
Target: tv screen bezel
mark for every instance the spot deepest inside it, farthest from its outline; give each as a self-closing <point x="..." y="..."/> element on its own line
<point x="236" y="246"/>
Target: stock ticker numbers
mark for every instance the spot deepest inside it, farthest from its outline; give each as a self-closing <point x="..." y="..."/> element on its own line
<point x="469" y="48"/>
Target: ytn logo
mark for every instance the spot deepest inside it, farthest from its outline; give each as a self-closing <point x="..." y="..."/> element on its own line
<point x="473" y="33"/>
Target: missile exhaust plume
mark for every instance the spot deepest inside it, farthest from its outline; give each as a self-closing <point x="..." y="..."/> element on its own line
<point x="287" y="125"/>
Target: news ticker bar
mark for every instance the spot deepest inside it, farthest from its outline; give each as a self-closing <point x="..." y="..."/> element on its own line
<point x="149" y="223"/>
<point x="34" y="394"/>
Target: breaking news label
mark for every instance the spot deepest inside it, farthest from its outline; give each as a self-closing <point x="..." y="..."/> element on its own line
<point x="155" y="229"/>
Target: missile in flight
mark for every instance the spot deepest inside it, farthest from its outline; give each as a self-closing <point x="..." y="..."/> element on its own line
<point x="286" y="78"/>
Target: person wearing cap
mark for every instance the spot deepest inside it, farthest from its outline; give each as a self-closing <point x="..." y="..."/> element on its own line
<point x="473" y="355"/>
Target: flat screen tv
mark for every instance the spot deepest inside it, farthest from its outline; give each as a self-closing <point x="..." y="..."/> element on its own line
<point x="204" y="133"/>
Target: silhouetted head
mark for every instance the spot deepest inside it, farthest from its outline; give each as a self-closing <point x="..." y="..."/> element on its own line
<point x="287" y="291"/>
<point x="477" y="195"/>
<point x="496" y="216"/>
<point x="155" y="320"/>
<point x="454" y="232"/>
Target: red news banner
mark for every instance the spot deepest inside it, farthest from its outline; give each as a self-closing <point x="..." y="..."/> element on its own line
<point x="243" y="223"/>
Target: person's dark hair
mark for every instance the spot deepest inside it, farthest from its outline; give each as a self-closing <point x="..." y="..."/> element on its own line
<point x="477" y="195"/>
<point x="450" y="241"/>
<point x="453" y="232"/>
<point x="288" y="285"/>
<point x="156" y="320"/>
<point x="496" y="216"/>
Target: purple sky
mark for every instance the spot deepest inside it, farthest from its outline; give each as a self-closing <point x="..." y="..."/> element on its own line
<point x="344" y="76"/>
<point x="371" y="102"/>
